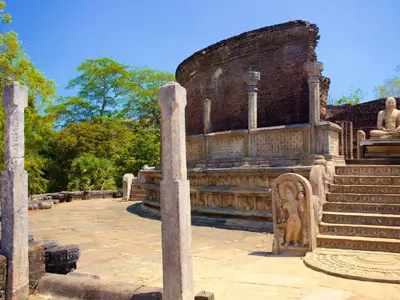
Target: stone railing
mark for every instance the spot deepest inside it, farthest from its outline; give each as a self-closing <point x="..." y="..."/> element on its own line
<point x="346" y="139"/>
<point x="263" y="142"/>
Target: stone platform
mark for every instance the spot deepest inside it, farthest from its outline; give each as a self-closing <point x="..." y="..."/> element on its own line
<point x="360" y="265"/>
<point x="374" y="161"/>
<point x="380" y="148"/>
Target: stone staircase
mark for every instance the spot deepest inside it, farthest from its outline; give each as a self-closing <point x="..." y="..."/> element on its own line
<point x="362" y="211"/>
<point x="137" y="193"/>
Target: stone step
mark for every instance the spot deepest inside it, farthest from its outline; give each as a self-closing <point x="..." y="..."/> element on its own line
<point x="361" y="218"/>
<point x="363" y="198"/>
<point x="388" y="232"/>
<point x="358" y="243"/>
<point x="136" y="198"/>
<point x="368" y="170"/>
<point x="366" y="180"/>
<point x="364" y="189"/>
<point x="141" y="194"/>
<point x="379" y="208"/>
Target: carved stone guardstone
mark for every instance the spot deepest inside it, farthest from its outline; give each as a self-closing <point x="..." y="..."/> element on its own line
<point x="175" y="195"/>
<point x="14" y="194"/>
<point x="293" y="214"/>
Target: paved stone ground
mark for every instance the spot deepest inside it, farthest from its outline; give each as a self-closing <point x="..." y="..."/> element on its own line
<point x="118" y="245"/>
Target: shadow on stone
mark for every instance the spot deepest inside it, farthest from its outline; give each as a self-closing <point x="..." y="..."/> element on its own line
<point x="271" y="254"/>
<point x="222" y="222"/>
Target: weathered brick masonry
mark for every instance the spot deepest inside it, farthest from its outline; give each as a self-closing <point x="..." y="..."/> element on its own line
<point x="217" y="73"/>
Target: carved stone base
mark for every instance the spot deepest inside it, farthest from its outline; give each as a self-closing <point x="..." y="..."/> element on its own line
<point x="243" y="192"/>
<point x="360" y="265"/>
<point x="381" y="148"/>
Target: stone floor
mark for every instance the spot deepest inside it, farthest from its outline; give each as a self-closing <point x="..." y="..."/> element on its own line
<point x="118" y="245"/>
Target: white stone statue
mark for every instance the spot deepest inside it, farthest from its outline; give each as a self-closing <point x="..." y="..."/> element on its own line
<point x="388" y="125"/>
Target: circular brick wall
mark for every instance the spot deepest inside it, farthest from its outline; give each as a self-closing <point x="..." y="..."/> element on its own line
<point x="218" y="73"/>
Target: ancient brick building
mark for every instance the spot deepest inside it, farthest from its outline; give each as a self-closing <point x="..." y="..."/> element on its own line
<point x="217" y="72"/>
<point x="270" y="75"/>
<point x="363" y="115"/>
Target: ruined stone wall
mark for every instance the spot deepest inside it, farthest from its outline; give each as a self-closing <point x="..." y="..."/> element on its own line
<point x="218" y="73"/>
<point x="363" y="115"/>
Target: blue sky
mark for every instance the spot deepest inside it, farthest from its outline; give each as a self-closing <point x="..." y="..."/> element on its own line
<point x="359" y="44"/>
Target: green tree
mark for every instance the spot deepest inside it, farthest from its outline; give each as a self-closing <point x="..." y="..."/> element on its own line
<point x="106" y="138"/>
<point x="16" y="66"/>
<point x="354" y="96"/>
<point x="144" y="149"/>
<point x="91" y="173"/>
<point x="107" y="88"/>
<point x="390" y="87"/>
<point x="103" y="87"/>
<point x="143" y="99"/>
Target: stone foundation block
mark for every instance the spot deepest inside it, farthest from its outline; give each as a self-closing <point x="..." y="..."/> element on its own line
<point x="203" y="295"/>
<point x="117" y="194"/>
<point x="33" y="206"/>
<point x="47" y="204"/>
<point x="83" y="276"/>
<point x="46" y="244"/>
<point x="3" y="275"/>
<point x="36" y="267"/>
<point x="83" y="288"/>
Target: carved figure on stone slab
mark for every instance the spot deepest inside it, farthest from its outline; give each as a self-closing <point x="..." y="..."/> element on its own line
<point x="388" y="125"/>
<point x="293" y="213"/>
<point x="291" y="206"/>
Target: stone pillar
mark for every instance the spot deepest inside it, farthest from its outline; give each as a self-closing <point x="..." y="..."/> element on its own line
<point x="126" y="186"/>
<point x="175" y="196"/>
<point x="314" y="70"/>
<point x="360" y="137"/>
<point x="207" y="116"/>
<point x="252" y="79"/>
<point x="14" y="194"/>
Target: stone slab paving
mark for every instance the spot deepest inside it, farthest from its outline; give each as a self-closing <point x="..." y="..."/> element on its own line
<point x="120" y="246"/>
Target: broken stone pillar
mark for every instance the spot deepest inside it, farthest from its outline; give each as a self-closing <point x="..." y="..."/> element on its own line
<point x="252" y="80"/>
<point x="360" y="137"/>
<point x="314" y="70"/>
<point x="126" y="186"/>
<point x="14" y="194"/>
<point x="207" y="116"/>
<point x="175" y="196"/>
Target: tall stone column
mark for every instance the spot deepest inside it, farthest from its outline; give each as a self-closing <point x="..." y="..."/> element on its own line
<point x="14" y="194"/>
<point x="314" y="70"/>
<point x="252" y="80"/>
<point x="175" y="196"/>
<point x="207" y="116"/>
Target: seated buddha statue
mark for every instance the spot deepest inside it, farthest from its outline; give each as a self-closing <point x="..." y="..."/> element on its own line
<point x="388" y="125"/>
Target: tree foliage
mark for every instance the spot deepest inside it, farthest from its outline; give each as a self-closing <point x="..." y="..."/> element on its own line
<point x="102" y="137"/>
<point x="390" y="87"/>
<point x="354" y="96"/>
<point x="91" y="173"/>
<point x="110" y="127"/>
<point x="143" y="102"/>
<point x="103" y="87"/>
<point x="16" y="66"/>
